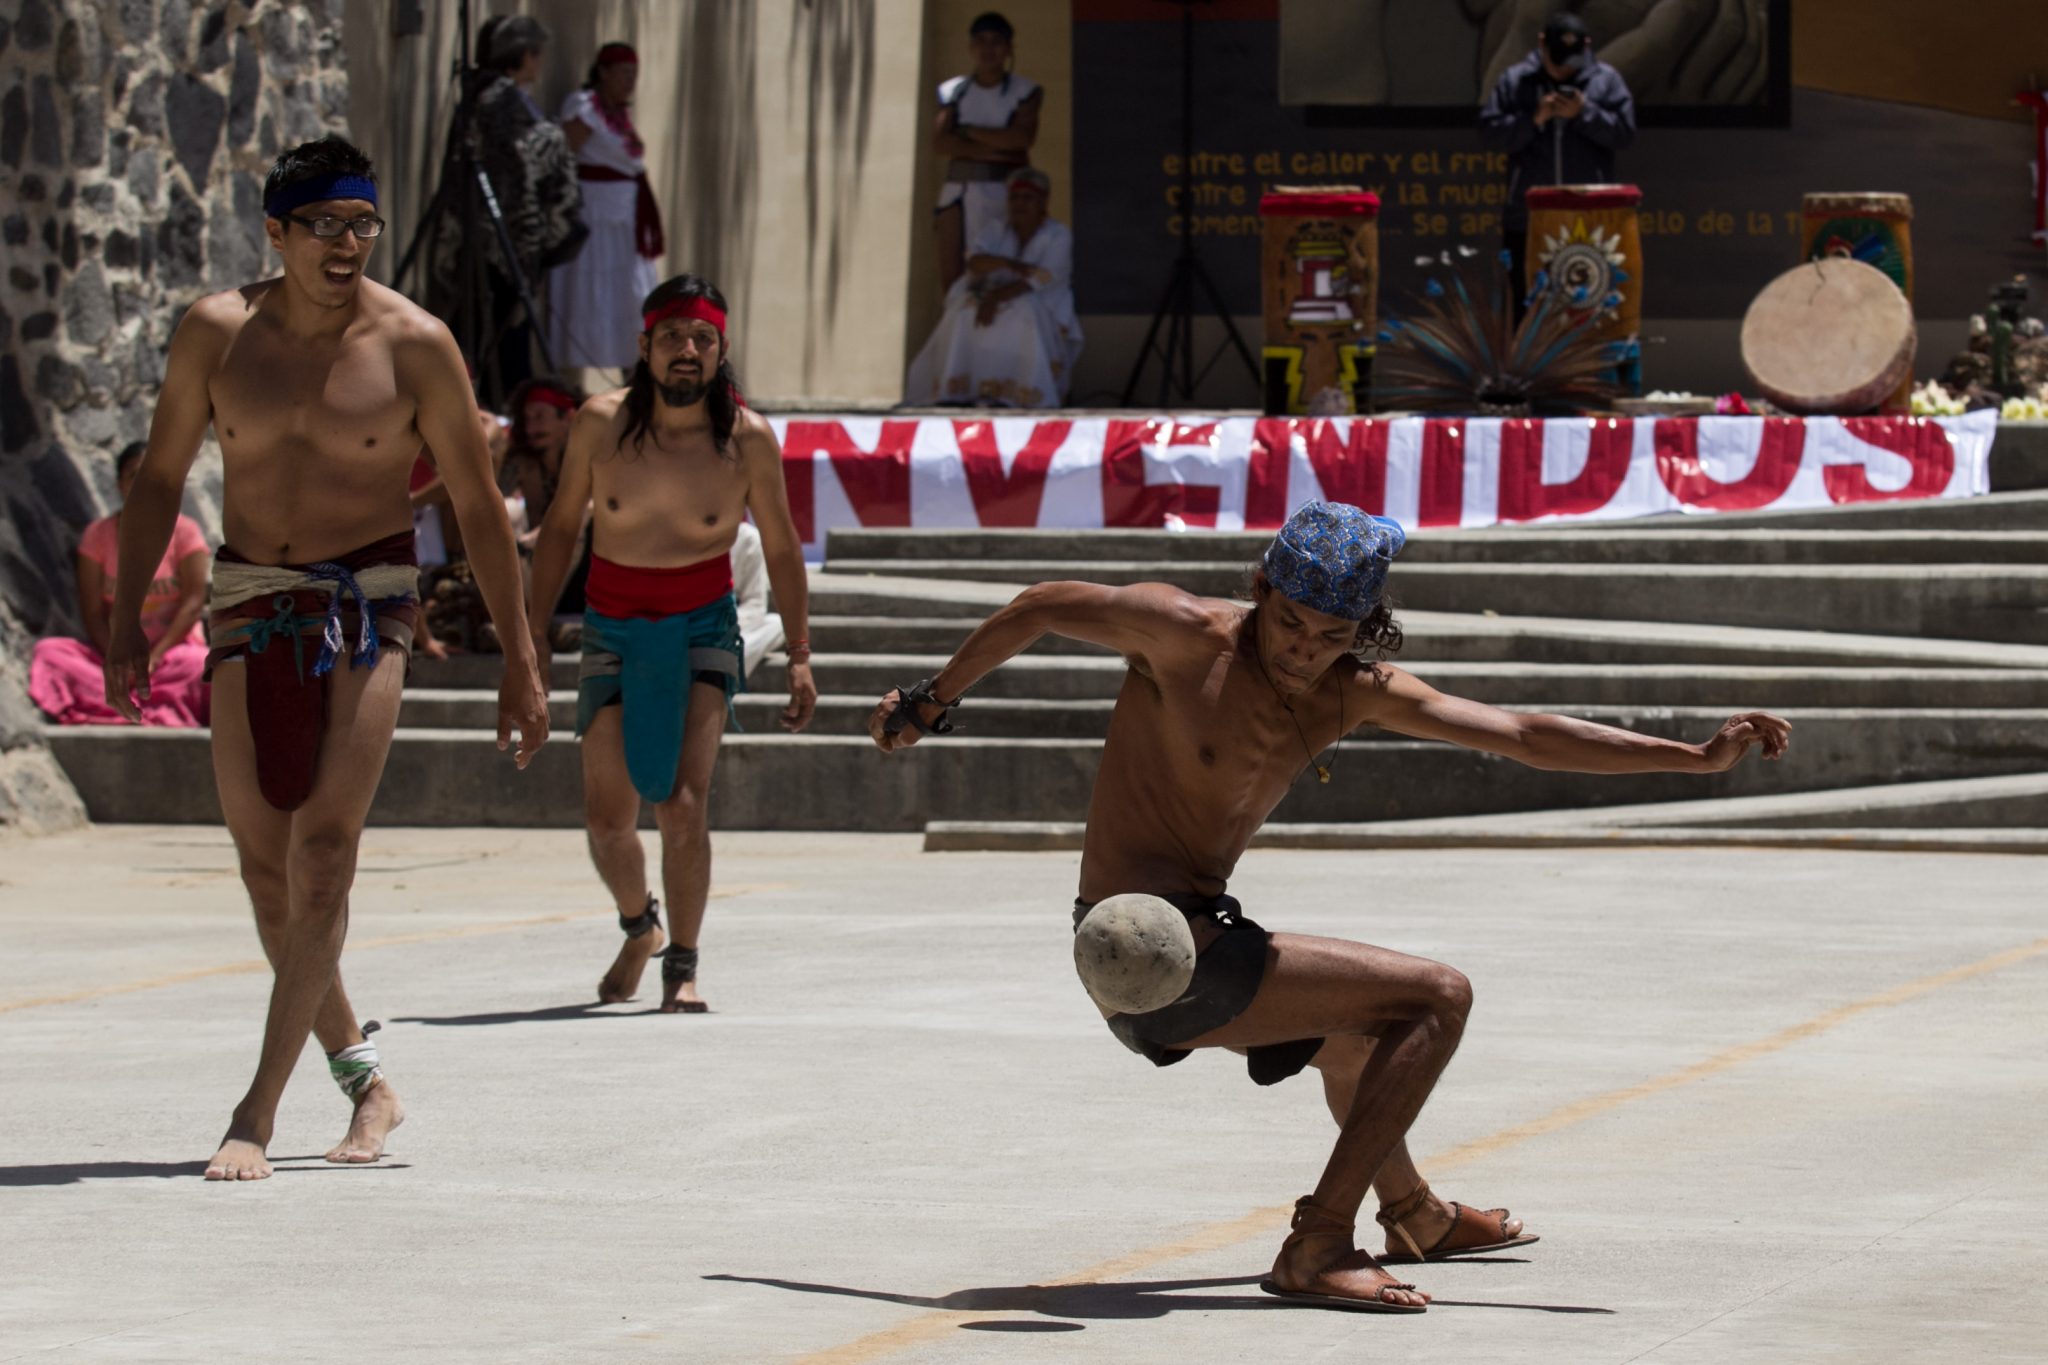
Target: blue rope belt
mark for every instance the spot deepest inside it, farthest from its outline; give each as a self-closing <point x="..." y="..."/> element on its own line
<point x="287" y="621"/>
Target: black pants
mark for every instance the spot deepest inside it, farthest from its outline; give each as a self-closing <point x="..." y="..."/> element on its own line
<point x="1516" y="241"/>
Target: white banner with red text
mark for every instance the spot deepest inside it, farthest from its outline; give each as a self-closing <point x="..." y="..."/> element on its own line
<point x="1248" y="473"/>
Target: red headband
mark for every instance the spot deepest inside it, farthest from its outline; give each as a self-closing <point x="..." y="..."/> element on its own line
<point x="612" y="53"/>
<point x="552" y="396"/>
<point x="698" y="307"/>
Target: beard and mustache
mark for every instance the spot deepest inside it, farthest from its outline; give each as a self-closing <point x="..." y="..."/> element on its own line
<point x="686" y="393"/>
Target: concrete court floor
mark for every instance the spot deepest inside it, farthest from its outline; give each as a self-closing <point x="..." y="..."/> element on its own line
<point x="1763" y="1106"/>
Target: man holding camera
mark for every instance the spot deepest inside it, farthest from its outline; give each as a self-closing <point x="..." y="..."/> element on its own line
<point x="1561" y="116"/>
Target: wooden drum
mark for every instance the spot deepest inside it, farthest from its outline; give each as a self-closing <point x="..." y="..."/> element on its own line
<point x="1321" y="272"/>
<point x="1833" y="337"/>
<point x="1587" y="240"/>
<point x="1874" y="228"/>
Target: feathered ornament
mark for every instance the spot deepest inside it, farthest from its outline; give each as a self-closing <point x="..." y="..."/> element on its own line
<point x="1461" y="352"/>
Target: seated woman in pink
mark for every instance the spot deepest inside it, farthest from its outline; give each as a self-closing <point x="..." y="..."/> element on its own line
<point x="65" y="676"/>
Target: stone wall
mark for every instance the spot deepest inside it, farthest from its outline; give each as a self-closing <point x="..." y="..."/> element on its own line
<point x="134" y="135"/>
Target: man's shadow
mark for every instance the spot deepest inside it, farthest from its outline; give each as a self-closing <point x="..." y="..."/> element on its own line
<point x="76" y="1172"/>
<point x="588" y="1009"/>
<point x="1119" y="1300"/>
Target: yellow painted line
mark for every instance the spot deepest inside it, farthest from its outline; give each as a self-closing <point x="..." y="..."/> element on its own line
<point x="1265" y="1222"/>
<point x="1582" y="1110"/>
<point x="387" y="941"/>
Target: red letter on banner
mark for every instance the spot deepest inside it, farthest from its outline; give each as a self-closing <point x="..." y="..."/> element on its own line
<point x="1443" y="473"/>
<point x="877" y="482"/>
<point x="1924" y="443"/>
<point x="1351" y="468"/>
<point x="1265" y="483"/>
<point x="800" y="477"/>
<point x="1777" y="461"/>
<point x="1127" y="500"/>
<point x="1010" y="499"/>
<point x="1523" y="494"/>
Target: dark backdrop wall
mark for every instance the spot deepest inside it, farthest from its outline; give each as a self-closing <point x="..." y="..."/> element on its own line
<point x="1720" y="205"/>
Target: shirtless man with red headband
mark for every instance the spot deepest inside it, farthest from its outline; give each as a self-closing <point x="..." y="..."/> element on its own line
<point x="320" y="386"/>
<point x="669" y="465"/>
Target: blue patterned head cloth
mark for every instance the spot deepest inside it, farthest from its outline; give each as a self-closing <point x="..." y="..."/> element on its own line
<point x="1333" y="558"/>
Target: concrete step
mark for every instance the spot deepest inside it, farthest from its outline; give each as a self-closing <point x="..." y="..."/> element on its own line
<point x="772" y="781"/>
<point x="1700" y="541"/>
<point x="2019" y="456"/>
<point x="2005" y="602"/>
<point x="1077" y="703"/>
<point x="997" y="836"/>
<point x="885" y="594"/>
<point x="1982" y="814"/>
<point x="474" y="672"/>
<point x="1500" y="683"/>
<point x="2017" y="799"/>
<point x="1431" y="637"/>
<point x="2000" y="511"/>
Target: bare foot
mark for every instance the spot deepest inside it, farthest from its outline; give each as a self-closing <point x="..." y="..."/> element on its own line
<point x="377" y="1113"/>
<point x="433" y="648"/>
<point x="240" y="1157"/>
<point x="1327" y="1265"/>
<point x="680" y="997"/>
<point x="622" y="982"/>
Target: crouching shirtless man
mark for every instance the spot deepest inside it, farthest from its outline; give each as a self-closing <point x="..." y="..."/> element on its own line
<point x="321" y="387"/>
<point x="1223" y="708"/>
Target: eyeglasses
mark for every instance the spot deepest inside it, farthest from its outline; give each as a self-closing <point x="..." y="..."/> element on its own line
<point x="366" y="228"/>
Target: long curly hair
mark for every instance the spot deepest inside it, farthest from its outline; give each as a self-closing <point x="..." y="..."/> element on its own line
<point x="722" y="397"/>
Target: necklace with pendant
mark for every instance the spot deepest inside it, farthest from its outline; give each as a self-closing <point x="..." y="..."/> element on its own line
<point x="1322" y="773"/>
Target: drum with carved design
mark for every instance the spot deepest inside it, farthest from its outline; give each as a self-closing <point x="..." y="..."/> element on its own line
<point x="1586" y="244"/>
<point x="1320" y="273"/>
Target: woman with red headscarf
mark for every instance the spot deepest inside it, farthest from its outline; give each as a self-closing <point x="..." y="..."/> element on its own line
<point x="594" y="299"/>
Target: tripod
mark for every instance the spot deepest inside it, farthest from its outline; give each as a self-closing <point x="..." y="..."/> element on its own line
<point x="464" y="189"/>
<point x="1176" y="311"/>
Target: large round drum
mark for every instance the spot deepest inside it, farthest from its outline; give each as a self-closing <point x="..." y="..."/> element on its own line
<point x="1588" y="241"/>
<point x="1831" y="337"/>
<point x="1868" y="226"/>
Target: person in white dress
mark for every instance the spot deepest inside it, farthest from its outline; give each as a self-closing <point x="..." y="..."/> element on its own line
<point x="987" y="122"/>
<point x="1009" y="337"/>
<point x="594" y="300"/>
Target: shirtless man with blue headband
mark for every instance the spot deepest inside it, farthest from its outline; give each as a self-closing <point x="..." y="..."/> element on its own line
<point x="1224" y="708"/>
<point x="321" y="387"/>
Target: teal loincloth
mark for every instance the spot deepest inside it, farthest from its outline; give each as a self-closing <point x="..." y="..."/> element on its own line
<point x="649" y="666"/>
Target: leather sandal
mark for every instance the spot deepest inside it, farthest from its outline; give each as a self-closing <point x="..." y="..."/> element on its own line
<point x="1322" y="1292"/>
<point x="1471" y="1232"/>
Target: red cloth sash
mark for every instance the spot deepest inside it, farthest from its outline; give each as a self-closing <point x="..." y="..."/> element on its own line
<point x="286" y="701"/>
<point x="624" y="591"/>
<point x="647" y="235"/>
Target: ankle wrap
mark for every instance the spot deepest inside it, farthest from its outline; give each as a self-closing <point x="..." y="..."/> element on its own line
<point x="678" y="965"/>
<point x="355" y="1069"/>
<point x="644" y="923"/>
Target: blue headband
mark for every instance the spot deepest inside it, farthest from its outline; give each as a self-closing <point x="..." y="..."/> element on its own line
<point x="320" y="187"/>
<point x="1333" y="558"/>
